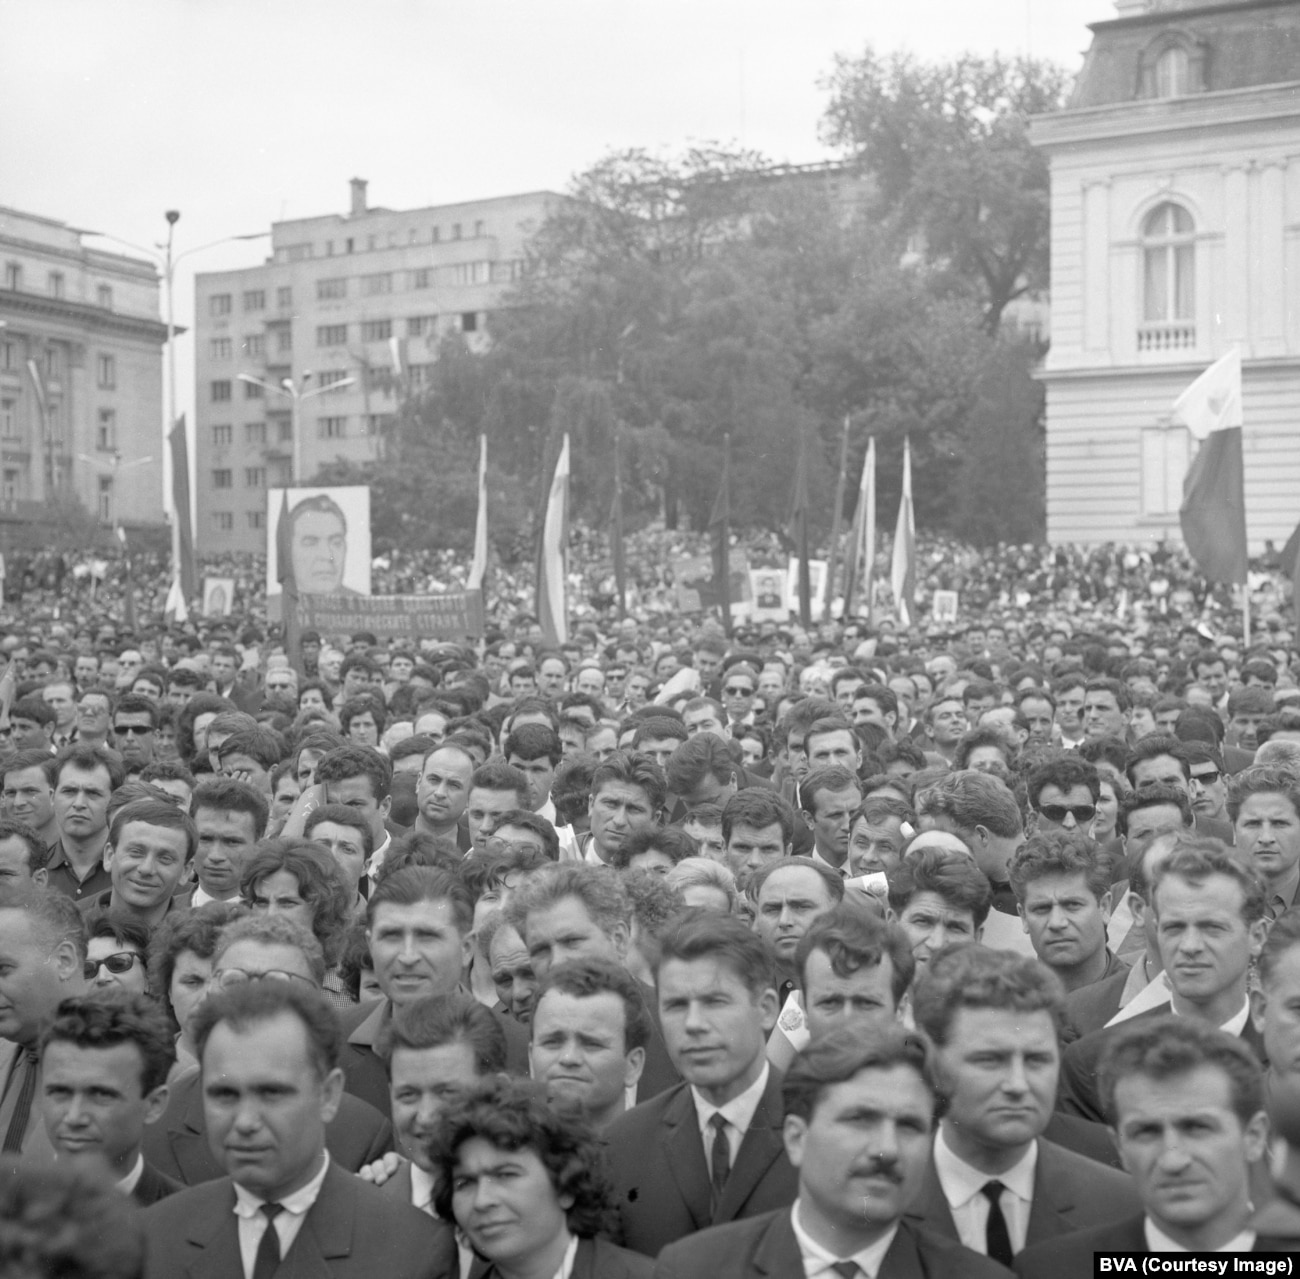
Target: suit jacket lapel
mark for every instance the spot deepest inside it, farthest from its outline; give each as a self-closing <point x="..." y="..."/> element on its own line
<point x="903" y="1260"/>
<point x="327" y="1230"/>
<point x="1054" y="1200"/>
<point x="216" y="1236"/>
<point x="778" y="1252"/>
<point x="931" y="1206"/>
<point x="189" y="1140"/>
<point x="758" y="1152"/>
<point x="684" y="1150"/>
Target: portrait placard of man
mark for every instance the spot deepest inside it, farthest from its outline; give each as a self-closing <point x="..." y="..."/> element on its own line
<point x="329" y="532"/>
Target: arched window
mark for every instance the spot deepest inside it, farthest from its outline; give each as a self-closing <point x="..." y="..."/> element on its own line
<point x="1168" y="279"/>
<point x="1173" y="73"/>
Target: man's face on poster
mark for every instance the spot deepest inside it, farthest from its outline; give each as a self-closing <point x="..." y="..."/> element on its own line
<point x="320" y="548"/>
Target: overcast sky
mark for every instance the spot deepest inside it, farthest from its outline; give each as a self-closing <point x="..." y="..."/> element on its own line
<point x="242" y="112"/>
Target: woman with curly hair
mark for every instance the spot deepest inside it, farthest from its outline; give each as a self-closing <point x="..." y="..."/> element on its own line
<point x="527" y="1186"/>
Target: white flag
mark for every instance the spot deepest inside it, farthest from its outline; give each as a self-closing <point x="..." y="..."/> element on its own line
<point x="1213" y="401"/>
<point x="479" y="566"/>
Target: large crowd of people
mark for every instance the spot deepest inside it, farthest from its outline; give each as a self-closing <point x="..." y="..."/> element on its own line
<point x="862" y="950"/>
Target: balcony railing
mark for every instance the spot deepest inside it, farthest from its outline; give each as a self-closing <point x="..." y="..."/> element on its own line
<point x="1178" y="335"/>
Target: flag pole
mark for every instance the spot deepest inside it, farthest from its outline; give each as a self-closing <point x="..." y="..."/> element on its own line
<point x="620" y="559"/>
<point x="837" y="520"/>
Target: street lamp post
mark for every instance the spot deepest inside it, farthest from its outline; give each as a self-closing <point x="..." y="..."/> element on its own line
<point x="297" y="394"/>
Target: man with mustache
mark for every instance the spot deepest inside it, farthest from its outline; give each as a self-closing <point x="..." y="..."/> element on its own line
<point x="860" y="1113"/>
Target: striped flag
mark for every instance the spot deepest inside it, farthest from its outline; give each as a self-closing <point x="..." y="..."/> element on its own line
<point x="902" y="576"/>
<point x="479" y="567"/>
<point x="552" y="565"/>
<point x="862" y="543"/>
<point x="1291" y="567"/>
<point x="1213" y="513"/>
<point x="288" y="584"/>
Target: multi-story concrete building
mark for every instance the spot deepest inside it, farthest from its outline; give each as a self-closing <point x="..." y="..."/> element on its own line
<point x="341" y="297"/>
<point x="80" y="375"/>
<point x="1175" y="236"/>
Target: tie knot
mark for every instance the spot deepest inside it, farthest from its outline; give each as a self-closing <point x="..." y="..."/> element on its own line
<point x="846" y="1269"/>
<point x="272" y="1211"/>
<point x="993" y="1191"/>
<point x="718" y="1122"/>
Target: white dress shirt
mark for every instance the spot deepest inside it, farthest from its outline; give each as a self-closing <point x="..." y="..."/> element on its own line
<point x="128" y="1183"/>
<point x="422" y="1198"/>
<point x="963" y="1188"/>
<point x="738" y="1112"/>
<point x="818" y="1263"/>
<point x="253" y="1222"/>
<point x="1158" y="1241"/>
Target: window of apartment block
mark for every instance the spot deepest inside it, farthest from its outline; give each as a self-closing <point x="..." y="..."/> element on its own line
<point x="1166" y="454"/>
<point x="221" y="391"/>
<point x="106" y="431"/>
<point x="376" y="330"/>
<point x="104" y="297"/>
<point x="1168" y="279"/>
<point x="332" y="377"/>
<point x="437" y="234"/>
<point x="10" y="485"/>
<point x="256" y="519"/>
<point x="332" y="289"/>
<point x="255" y="432"/>
<point x="223" y="478"/>
<point x="8" y="358"/>
<point x="253" y="391"/>
<point x="13" y="275"/>
<point x="455" y="230"/>
<point x="284" y="295"/>
<point x="106" y="372"/>
<point x="283" y="338"/>
<point x="281" y="473"/>
<point x="255" y="300"/>
<point x="222" y="434"/>
<point x="106" y="498"/>
<point x="373" y="285"/>
<point x="52" y="363"/>
<point x="255" y="345"/>
<point x="422" y="278"/>
<point x="57" y="284"/>
<point x="331" y="335"/>
<point x="219" y="348"/>
<point x="480" y="228"/>
<point x="255" y="477"/>
<point x="378" y="423"/>
<point x="223" y="521"/>
<point x="8" y="418"/>
<point x="332" y="428"/>
<point x="469" y="322"/>
<point x="284" y="430"/>
<point x="219" y="304"/>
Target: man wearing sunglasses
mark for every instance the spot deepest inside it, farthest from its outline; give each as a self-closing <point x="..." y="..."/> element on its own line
<point x="253" y="949"/>
<point x="1064" y="793"/>
<point x="135" y="730"/>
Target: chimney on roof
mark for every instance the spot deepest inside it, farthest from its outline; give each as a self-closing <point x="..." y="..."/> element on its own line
<point x="358" y="196"/>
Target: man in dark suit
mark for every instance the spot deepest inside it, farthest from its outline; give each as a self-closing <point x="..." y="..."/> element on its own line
<point x="1209" y="913"/>
<point x="860" y="1108"/>
<point x="578" y="911"/>
<point x="269" y="1056"/>
<point x="710" y="1149"/>
<point x="104" y="1063"/>
<point x="248" y="951"/>
<point x="419" y="923"/>
<point x="1188" y="1108"/>
<point x="993" y="1181"/>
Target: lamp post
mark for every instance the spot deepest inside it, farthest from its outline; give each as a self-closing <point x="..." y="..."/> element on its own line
<point x="297" y="394"/>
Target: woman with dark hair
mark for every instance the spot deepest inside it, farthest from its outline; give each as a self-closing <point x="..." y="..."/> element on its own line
<point x="528" y="1186"/>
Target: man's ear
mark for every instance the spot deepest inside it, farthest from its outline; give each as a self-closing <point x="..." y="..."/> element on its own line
<point x="385" y="807"/>
<point x="106" y="858"/>
<point x="1258" y="1007"/>
<point x="1106" y="907"/>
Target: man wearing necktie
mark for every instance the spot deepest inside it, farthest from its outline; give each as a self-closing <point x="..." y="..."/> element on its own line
<point x="860" y="1109"/>
<point x="42" y="953"/>
<point x="268" y="1052"/>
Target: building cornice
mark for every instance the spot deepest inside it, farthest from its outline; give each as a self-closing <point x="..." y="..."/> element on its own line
<point x="97" y="319"/>
<point x="92" y="259"/>
<point x="1182" y="371"/>
<point x="1146" y="116"/>
<point x="1163" y="17"/>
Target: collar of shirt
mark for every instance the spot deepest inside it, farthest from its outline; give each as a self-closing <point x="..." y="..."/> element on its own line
<point x="841" y="870"/>
<point x="377" y="857"/>
<point x="1281" y="900"/>
<point x="570" y="1253"/>
<point x="368" y="1030"/>
<point x="817" y="1261"/>
<point x="200" y="898"/>
<point x="247" y="1204"/>
<point x="422" y="1189"/>
<point x="128" y="1183"/>
<point x="1237" y="1023"/>
<point x="961" y="1182"/>
<point x="1155" y="993"/>
<point x="1158" y="1241"/>
<point x="738" y="1112"/>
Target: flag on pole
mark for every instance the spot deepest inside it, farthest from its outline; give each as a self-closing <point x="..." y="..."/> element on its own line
<point x="1291" y="567"/>
<point x="799" y="529"/>
<point x="395" y="351"/>
<point x="862" y="543"/>
<point x="128" y="584"/>
<point x="837" y="520"/>
<point x="552" y="595"/>
<point x="184" y="568"/>
<point x="38" y="387"/>
<point x="288" y="584"/>
<point x="479" y="567"/>
<point x="720" y="528"/>
<point x="1213" y="513"/>
<point x="902" y="575"/>
<point x="616" y="522"/>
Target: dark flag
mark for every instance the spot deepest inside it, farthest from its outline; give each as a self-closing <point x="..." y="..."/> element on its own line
<point x="720" y="528"/>
<point x="837" y="521"/>
<point x="185" y="570"/>
<point x="1291" y="567"/>
<point x="799" y="529"/>
<point x="128" y="584"/>
<point x="288" y="585"/>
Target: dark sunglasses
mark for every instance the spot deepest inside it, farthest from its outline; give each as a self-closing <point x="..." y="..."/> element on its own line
<point x="1056" y="812"/>
<point x="738" y="690"/>
<point x="1207" y="778"/>
<point x="119" y="962"/>
<point x="136" y="730"/>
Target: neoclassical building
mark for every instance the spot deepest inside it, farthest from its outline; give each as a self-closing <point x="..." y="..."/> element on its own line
<point x="1175" y="205"/>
